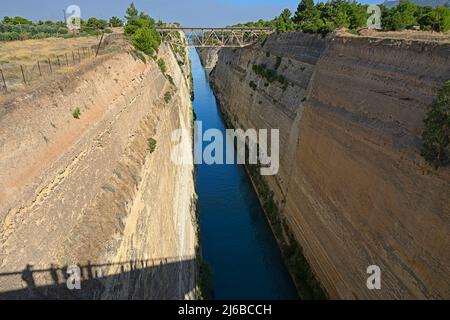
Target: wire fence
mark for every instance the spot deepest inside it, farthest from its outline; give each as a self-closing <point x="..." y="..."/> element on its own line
<point x="25" y="74"/>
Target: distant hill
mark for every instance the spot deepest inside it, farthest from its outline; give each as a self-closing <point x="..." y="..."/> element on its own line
<point x="423" y="3"/>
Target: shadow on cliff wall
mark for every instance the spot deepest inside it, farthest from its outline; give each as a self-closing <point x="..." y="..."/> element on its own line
<point x="167" y="278"/>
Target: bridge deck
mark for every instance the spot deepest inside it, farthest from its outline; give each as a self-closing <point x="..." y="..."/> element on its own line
<point x="214" y="37"/>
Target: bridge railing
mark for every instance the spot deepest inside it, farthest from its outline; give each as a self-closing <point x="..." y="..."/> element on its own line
<point x="215" y="37"/>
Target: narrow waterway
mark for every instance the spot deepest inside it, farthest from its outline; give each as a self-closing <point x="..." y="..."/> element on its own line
<point x="237" y="241"/>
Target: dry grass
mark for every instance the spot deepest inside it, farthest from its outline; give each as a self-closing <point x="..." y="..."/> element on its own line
<point x="27" y="53"/>
<point x="441" y="37"/>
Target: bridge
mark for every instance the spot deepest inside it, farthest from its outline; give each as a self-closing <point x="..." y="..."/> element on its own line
<point x="214" y="37"/>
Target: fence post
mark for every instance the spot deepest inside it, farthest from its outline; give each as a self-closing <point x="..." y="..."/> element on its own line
<point x="4" y="82"/>
<point x="59" y="62"/>
<point x="99" y="44"/>
<point x="67" y="60"/>
<point x="23" y="75"/>
<point x="50" y="65"/>
<point x="39" y="67"/>
<point x="73" y="57"/>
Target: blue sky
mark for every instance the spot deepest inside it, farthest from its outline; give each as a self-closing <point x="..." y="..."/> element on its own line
<point x="187" y="12"/>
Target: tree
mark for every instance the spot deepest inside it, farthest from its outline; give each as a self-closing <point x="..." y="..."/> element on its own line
<point x="307" y="17"/>
<point x="141" y="28"/>
<point x="305" y="11"/>
<point x="406" y="10"/>
<point x="146" y="41"/>
<point x="339" y="16"/>
<point x="440" y="19"/>
<point x="424" y="17"/>
<point x="115" y="22"/>
<point x="16" y="20"/>
<point x="132" y="12"/>
<point x="96" y="24"/>
<point x="136" y="20"/>
<point x="358" y="15"/>
<point x="436" y="136"/>
<point x="284" y="23"/>
<point x="401" y="17"/>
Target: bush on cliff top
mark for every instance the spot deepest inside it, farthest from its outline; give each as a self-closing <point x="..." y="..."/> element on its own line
<point x="327" y="16"/>
<point x="151" y="145"/>
<point x="141" y="28"/>
<point x="436" y="135"/>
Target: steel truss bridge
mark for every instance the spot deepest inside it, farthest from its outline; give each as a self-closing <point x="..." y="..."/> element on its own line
<point x="214" y="37"/>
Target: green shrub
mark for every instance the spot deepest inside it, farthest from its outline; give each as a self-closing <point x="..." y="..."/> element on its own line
<point x="436" y="135"/>
<point x="145" y="41"/>
<point x="270" y="75"/>
<point x="191" y="85"/>
<point x="141" y="28"/>
<point x="278" y="62"/>
<point x="162" y="65"/>
<point x="262" y="40"/>
<point x="151" y="145"/>
<point x="138" y="54"/>
<point x="253" y="85"/>
<point x="115" y="22"/>
<point x="169" y="77"/>
<point x="76" y="113"/>
<point x="167" y="97"/>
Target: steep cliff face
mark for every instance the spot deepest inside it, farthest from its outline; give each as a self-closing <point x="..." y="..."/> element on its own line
<point x="92" y="191"/>
<point x="352" y="185"/>
<point x="209" y="57"/>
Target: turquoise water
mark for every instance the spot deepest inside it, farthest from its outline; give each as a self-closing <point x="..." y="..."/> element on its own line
<point x="237" y="241"/>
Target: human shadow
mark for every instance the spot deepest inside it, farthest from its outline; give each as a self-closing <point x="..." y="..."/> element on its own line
<point x="168" y="278"/>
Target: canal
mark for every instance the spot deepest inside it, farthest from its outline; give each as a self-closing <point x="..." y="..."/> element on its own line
<point x="237" y="241"/>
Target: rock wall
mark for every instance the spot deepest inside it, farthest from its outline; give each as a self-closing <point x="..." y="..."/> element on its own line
<point x="209" y="57"/>
<point x="89" y="191"/>
<point x="352" y="185"/>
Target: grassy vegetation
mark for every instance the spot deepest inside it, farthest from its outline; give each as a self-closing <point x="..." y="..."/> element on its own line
<point x="191" y="84"/>
<point x="167" y="97"/>
<point x="162" y="65"/>
<point x="278" y="62"/>
<point x="76" y="113"/>
<point x="169" y="77"/>
<point x="270" y="75"/>
<point x="436" y="135"/>
<point x="179" y="49"/>
<point x="139" y="54"/>
<point x="151" y="145"/>
<point x="18" y="28"/>
<point x="262" y="40"/>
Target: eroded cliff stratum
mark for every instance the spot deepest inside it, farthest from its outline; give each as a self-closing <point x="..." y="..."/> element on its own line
<point x="101" y="191"/>
<point x="352" y="186"/>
